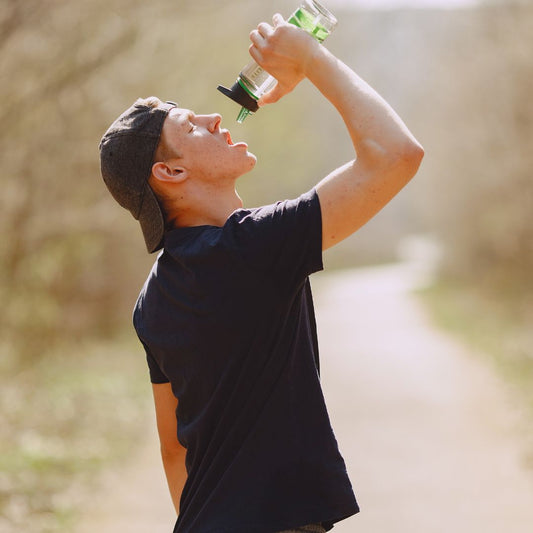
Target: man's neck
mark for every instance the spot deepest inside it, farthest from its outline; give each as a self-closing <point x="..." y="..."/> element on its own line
<point x="205" y="209"/>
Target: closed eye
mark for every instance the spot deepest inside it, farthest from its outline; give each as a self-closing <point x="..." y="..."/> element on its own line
<point x="190" y="117"/>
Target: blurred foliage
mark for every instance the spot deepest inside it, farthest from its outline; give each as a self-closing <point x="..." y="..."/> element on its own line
<point x="476" y="191"/>
<point x="51" y="213"/>
<point x="502" y="331"/>
<point x="62" y="419"/>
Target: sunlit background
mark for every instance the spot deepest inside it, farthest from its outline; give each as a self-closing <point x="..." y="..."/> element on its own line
<point x="75" y="391"/>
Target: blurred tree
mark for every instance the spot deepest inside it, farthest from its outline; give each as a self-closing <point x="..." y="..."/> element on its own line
<point x="48" y="51"/>
<point x="485" y="164"/>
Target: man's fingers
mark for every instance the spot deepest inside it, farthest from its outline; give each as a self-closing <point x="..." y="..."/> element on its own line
<point x="260" y="51"/>
<point x="277" y="19"/>
<point x="260" y="35"/>
<point x="255" y="53"/>
<point x="256" y="37"/>
<point x="265" y="29"/>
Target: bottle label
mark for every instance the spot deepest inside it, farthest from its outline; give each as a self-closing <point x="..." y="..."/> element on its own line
<point x="254" y="73"/>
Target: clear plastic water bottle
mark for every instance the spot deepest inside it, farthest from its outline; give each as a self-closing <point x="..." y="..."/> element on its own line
<point x="253" y="81"/>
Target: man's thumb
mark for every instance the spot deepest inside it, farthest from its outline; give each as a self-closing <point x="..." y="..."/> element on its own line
<point x="272" y="96"/>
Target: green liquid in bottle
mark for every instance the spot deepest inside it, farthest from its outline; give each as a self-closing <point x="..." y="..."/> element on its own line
<point x="307" y="22"/>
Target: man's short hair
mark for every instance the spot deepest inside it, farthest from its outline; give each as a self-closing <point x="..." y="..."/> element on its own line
<point x="126" y="156"/>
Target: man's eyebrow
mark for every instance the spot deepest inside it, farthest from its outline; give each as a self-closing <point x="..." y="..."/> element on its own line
<point x="184" y="117"/>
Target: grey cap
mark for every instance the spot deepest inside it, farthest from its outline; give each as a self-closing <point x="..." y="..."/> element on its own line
<point x="126" y="157"/>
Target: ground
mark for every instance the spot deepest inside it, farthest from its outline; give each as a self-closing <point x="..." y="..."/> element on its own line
<point x="433" y="440"/>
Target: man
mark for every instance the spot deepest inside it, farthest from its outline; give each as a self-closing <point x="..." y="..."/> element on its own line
<point x="226" y="315"/>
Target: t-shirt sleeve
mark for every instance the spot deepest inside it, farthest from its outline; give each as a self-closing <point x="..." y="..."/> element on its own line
<point x="283" y="239"/>
<point x="156" y="374"/>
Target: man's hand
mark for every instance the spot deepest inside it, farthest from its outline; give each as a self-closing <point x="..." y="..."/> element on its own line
<point x="285" y="52"/>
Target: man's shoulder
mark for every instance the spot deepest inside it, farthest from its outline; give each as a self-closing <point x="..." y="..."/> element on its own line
<point x="279" y="207"/>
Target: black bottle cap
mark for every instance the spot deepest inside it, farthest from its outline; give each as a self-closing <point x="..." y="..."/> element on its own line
<point x="239" y="95"/>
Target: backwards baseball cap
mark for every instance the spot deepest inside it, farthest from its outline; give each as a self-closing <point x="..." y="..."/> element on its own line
<point x="126" y="156"/>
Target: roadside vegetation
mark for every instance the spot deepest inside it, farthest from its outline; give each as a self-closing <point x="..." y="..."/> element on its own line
<point x="497" y="326"/>
<point x="64" y="418"/>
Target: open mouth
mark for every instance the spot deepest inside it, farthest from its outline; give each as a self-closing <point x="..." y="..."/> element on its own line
<point x="230" y="142"/>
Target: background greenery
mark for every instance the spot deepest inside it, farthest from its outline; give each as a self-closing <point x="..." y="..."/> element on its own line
<point x="72" y="262"/>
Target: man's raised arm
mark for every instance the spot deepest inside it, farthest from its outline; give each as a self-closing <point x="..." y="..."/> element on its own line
<point x="387" y="154"/>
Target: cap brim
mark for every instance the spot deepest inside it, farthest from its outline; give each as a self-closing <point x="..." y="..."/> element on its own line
<point x="151" y="220"/>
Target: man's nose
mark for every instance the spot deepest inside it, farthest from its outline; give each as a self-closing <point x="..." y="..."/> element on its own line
<point x="213" y="122"/>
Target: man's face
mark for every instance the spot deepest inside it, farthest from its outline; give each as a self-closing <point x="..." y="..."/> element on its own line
<point x="205" y="150"/>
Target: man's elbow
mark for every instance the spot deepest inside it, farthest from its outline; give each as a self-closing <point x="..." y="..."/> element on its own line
<point x="401" y="158"/>
<point x="172" y="450"/>
<point x="415" y="153"/>
<point x="407" y="159"/>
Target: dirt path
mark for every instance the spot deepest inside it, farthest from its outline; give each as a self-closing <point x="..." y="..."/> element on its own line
<point x="431" y="437"/>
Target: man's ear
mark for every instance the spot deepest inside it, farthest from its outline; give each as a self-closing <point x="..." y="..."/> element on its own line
<point x="168" y="172"/>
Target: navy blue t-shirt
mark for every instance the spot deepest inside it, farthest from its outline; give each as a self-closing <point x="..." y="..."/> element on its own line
<point x="226" y="316"/>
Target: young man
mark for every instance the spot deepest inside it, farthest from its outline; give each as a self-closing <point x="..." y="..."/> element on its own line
<point x="226" y="315"/>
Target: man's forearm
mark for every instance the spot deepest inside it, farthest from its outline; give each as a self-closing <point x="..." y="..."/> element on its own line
<point x="176" y="474"/>
<point x="387" y="154"/>
<point x="374" y="127"/>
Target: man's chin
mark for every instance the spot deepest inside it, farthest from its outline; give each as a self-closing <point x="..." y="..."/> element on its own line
<point x="252" y="159"/>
